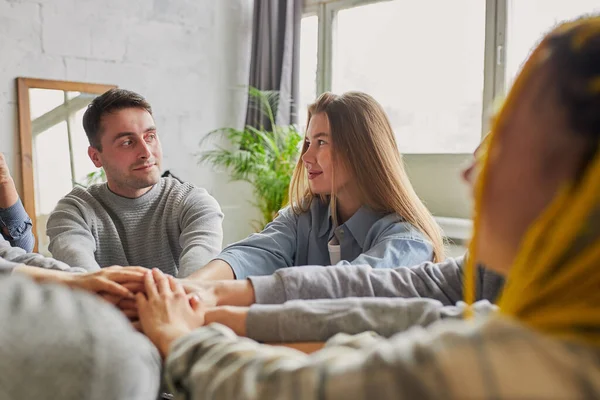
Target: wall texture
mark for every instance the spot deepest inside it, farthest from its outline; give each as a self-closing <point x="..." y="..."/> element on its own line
<point x="188" y="57"/>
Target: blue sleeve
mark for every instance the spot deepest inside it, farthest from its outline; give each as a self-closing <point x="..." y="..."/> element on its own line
<point x="15" y="226"/>
<point x="265" y="252"/>
<point x="400" y="245"/>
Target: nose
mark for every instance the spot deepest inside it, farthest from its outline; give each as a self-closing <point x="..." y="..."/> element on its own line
<point x="467" y="173"/>
<point x="145" y="150"/>
<point x="308" y="157"/>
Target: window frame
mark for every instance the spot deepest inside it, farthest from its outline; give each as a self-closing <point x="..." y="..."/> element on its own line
<point x="494" y="52"/>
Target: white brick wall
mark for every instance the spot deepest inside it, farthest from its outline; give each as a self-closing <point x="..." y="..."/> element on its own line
<point x="189" y="58"/>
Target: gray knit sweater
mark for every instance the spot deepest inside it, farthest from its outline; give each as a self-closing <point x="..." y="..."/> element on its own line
<point x="57" y="343"/>
<point x="175" y="227"/>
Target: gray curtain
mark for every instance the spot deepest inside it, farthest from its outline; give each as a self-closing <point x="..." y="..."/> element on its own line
<point x="274" y="59"/>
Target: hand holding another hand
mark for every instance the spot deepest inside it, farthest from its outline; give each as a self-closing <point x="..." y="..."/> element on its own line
<point x="166" y="312"/>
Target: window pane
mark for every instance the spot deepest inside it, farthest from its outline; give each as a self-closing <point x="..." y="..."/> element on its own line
<point x="308" y="65"/>
<point x="529" y="20"/>
<point x="424" y="67"/>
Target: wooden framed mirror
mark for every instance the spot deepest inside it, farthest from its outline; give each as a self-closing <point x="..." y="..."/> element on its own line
<point x="53" y="145"/>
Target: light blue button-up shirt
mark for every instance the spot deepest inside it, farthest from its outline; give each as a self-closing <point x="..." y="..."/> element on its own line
<point x="379" y="240"/>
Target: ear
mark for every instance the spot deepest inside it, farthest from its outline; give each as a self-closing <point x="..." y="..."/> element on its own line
<point x="94" y="156"/>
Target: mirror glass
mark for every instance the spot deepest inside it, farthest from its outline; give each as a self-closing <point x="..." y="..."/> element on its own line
<point x="59" y="151"/>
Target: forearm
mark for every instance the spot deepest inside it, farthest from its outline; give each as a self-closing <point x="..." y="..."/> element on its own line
<point x="442" y="281"/>
<point x="20" y="256"/>
<point x="42" y="275"/>
<point x="214" y="270"/>
<point x="319" y="320"/>
<point x="8" y="193"/>
<point x="248" y="370"/>
<point x="232" y="317"/>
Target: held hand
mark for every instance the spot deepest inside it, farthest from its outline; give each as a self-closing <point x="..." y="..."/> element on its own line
<point x="204" y="291"/>
<point x="165" y="311"/>
<point x="221" y="293"/>
<point x="109" y="281"/>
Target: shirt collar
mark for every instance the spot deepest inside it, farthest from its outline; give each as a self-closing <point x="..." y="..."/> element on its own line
<point x="359" y="224"/>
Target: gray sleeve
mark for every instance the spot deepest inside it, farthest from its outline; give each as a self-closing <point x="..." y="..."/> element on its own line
<point x="10" y="257"/>
<point x="441" y="281"/>
<point x="319" y="320"/>
<point x="63" y="344"/>
<point x="201" y="238"/>
<point x="6" y="267"/>
<point x="71" y="239"/>
<point x="265" y="252"/>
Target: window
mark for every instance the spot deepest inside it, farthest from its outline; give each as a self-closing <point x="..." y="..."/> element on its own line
<point x="308" y="65"/>
<point x="436" y="66"/>
<point x="60" y="141"/>
<point x="529" y="20"/>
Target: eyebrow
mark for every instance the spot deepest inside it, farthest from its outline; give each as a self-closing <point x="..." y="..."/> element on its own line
<point x="124" y="134"/>
<point x="318" y="135"/>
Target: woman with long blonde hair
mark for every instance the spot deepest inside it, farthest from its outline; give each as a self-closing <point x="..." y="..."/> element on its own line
<point x="351" y="201"/>
<point x="537" y="207"/>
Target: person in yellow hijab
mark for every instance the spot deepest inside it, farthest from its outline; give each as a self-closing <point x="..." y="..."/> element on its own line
<point x="536" y="184"/>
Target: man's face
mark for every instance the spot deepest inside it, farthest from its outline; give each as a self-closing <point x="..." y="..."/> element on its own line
<point x="131" y="152"/>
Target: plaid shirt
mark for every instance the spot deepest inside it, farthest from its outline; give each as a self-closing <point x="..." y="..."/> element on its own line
<point x="492" y="358"/>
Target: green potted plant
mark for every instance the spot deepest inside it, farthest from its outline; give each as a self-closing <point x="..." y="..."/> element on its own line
<point x="263" y="156"/>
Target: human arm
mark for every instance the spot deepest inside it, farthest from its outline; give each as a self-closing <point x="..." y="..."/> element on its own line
<point x="259" y="254"/>
<point x="432" y="363"/>
<point x="319" y="320"/>
<point x="63" y="344"/>
<point x="15" y="224"/>
<point x="109" y="281"/>
<point x="19" y="256"/>
<point x="70" y="233"/>
<point x="439" y="281"/>
<point x="201" y="236"/>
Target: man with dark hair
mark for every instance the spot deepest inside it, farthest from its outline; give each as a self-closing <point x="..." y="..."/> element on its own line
<point x="137" y="217"/>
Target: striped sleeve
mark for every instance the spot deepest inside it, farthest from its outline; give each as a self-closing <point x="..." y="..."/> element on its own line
<point x="452" y="360"/>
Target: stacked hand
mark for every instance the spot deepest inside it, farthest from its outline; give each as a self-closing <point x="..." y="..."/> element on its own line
<point x="166" y="312"/>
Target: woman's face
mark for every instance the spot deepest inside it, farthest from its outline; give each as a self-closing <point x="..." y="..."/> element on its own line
<point x="533" y="156"/>
<point x="318" y="158"/>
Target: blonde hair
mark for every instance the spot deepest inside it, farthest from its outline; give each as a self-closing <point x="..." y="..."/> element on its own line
<point x="554" y="280"/>
<point x="364" y="144"/>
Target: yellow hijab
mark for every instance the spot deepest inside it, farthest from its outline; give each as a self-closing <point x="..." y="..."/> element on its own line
<point x="554" y="283"/>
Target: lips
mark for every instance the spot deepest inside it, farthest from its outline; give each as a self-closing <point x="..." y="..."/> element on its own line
<point x="144" y="167"/>
<point x="313" y="174"/>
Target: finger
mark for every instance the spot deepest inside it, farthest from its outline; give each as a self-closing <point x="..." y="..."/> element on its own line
<point x="176" y="287"/>
<point x="123" y="275"/>
<point x="162" y="283"/>
<point x="110" y="287"/>
<point x="137" y="325"/>
<point x="141" y="302"/>
<point x="150" y="286"/>
<point x="195" y="302"/>
<point x="111" y="298"/>
<point x="135" y="287"/>
<point x="142" y="270"/>
<point x="131" y="314"/>
<point x="127" y="304"/>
